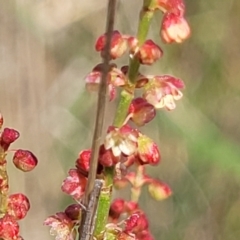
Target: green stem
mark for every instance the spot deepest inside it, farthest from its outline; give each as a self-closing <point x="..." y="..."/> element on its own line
<point x="122" y="110"/>
<point x="125" y="100"/>
<point x="127" y="96"/>
<point x="146" y="16"/>
<point x="104" y="202"/>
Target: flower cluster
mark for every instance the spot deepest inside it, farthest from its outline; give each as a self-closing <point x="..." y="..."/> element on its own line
<point x="13" y="207"/>
<point x="126" y="151"/>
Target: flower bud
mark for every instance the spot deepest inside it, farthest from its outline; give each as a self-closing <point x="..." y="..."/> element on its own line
<point x="24" y="160"/>
<point x="174" y="28"/>
<point x="18" y="206"/>
<point x="83" y="161"/>
<point x="73" y="211"/>
<point x="117" y="208"/>
<point x="7" y="137"/>
<point x="158" y="190"/>
<point x="9" y="228"/>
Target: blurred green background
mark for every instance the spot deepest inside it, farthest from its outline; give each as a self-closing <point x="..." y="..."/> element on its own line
<point x="46" y="49"/>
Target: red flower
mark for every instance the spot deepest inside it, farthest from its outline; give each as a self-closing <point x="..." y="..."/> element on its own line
<point x="174" y="28"/>
<point x="24" y="160"/>
<point x="119" y="45"/>
<point x="131" y="222"/>
<point x="18" y="206"/>
<point x="148" y="53"/>
<point x="61" y="226"/>
<point x="141" y="111"/>
<point x="116" y="78"/>
<point x="107" y="158"/>
<point x="161" y="91"/>
<point x="159" y="190"/>
<point x="74" y="184"/>
<point x="148" y="152"/>
<point x="9" y="228"/>
<point x="175" y="6"/>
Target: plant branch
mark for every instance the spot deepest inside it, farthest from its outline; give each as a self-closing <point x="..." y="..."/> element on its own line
<point x="97" y="137"/>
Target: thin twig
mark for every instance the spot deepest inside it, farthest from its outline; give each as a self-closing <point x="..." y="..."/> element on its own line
<point x="97" y="137"/>
<point x="90" y="214"/>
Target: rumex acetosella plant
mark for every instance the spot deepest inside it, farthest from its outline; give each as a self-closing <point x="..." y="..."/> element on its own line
<point x="13" y="207"/>
<point x="125" y="152"/>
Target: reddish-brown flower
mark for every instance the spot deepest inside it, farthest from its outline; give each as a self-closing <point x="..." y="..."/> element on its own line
<point x="18" y="206"/>
<point x="107" y="158"/>
<point x="116" y="78"/>
<point x="7" y="137"/>
<point x="61" y="226"/>
<point x="149" y="53"/>
<point x="131" y="223"/>
<point x="74" y="184"/>
<point x="24" y="160"/>
<point x="118" y="47"/>
<point x="141" y="111"/>
<point x="161" y="91"/>
<point x="148" y="152"/>
<point x="9" y="228"/>
<point x="141" y="224"/>
<point x="174" y="28"/>
<point x="159" y="190"/>
<point x="175" y="6"/>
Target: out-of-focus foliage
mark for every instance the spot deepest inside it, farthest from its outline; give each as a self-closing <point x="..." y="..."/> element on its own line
<point x="46" y="49"/>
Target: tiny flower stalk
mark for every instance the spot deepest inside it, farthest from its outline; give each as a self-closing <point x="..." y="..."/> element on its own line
<point x="13" y="207"/>
<point x="125" y="152"/>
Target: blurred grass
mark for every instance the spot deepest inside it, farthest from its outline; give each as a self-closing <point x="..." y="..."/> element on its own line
<point x="43" y="60"/>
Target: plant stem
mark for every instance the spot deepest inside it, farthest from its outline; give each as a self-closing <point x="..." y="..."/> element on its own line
<point x="121" y="113"/>
<point x="146" y="16"/>
<point x="97" y="137"/>
<point x="4" y="183"/>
